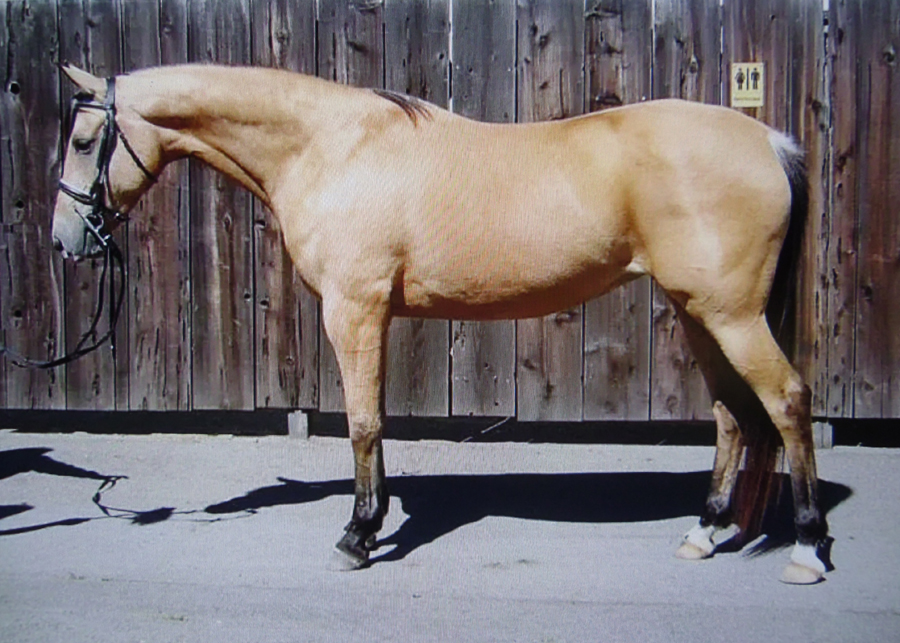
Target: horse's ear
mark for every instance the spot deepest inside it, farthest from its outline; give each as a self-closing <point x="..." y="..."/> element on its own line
<point x="84" y="80"/>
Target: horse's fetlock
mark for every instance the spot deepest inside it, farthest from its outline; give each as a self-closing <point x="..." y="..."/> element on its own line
<point x="717" y="513"/>
<point x="368" y="516"/>
<point x="810" y="526"/>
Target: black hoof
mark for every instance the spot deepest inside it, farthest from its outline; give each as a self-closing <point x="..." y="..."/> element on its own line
<point x="344" y="561"/>
<point x="354" y="547"/>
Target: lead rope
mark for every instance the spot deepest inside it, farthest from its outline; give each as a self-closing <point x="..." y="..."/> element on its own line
<point x="112" y="255"/>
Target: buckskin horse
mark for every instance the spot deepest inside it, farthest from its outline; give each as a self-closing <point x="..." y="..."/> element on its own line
<point x="391" y="206"/>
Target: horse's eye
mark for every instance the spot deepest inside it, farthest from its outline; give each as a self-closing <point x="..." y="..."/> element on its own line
<point x="82" y="145"/>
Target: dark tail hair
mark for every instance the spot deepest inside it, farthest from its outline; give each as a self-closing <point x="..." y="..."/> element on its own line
<point x="781" y="311"/>
<point x="761" y="439"/>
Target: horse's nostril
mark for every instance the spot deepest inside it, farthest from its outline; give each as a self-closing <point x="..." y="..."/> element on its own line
<point x="57" y="245"/>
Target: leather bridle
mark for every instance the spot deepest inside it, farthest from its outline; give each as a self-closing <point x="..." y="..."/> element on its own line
<point x="99" y="196"/>
<point x="102" y="212"/>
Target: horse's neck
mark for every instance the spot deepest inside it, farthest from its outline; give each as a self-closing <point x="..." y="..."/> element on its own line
<point x="246" y="123"/>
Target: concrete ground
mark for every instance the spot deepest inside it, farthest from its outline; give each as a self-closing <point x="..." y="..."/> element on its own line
<point x="228" y="539"/>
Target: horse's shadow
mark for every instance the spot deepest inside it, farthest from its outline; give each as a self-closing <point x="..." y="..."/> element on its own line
<point x="437" y="505"/>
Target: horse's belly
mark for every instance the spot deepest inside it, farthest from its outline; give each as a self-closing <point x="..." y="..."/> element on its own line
<point x="473" y="298"/>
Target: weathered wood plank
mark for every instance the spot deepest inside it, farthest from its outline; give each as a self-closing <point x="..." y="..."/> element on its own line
<point x="417" y="48"/>
<point x="89" y="38"/>
<point x="877" y="390"/>
<point x="686" y="50"/>
<point x="617" y="326"/>
<point x="287" y="343"/>
<point x="159" y="236"/>
<point x="549" y="350"/>
<point x="811" y="123"/>
<point x="6" y="269"/>
<point x="484" y="76"/>
<point x="351" y="42"/>
<point x="686" y="65"/>
<point x="221" y="237"/>
<point x="31" y="275"/>
<point x="350" y="50"/>
<point x="417" y="62"/>
<point x="842" y="247"/>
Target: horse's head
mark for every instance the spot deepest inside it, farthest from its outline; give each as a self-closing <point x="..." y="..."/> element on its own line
<point x="111" y="159"/>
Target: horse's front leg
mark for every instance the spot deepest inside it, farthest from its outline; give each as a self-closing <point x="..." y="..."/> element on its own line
<point x="358" y="333"/>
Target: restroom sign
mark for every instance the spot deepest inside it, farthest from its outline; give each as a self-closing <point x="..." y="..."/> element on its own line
<point x="747" y="84"/>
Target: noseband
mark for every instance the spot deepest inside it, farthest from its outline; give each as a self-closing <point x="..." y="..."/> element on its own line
<point x="99" y="198"/>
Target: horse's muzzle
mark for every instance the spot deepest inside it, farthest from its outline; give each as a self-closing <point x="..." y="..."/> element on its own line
<point x="90" y="249"/>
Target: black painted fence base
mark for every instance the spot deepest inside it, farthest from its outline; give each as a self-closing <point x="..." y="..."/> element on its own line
<point x="836" y="432"/>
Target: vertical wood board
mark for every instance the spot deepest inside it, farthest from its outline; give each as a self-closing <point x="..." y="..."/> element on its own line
<point x="89" y="38"/>
<point x="757" y="31"/>
<point x="417" y="59"/>
<point x="877" y="368"/>
<point x="811" y="124"/>
<point x="549" y="350"/>
<point x="287" y="345"/>
<point x="221" y="238"/>
<point x="350" y="51"/>
<point x="483" y="354"/>
<point x="687" y="43"/>
<point x="31" y="275"/>
<point x="617" y="326"/>
<point x="159" y="237"/>
<point x="842" y="255"/>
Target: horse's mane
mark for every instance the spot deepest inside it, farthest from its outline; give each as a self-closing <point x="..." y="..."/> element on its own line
<point x="412" y="107"/>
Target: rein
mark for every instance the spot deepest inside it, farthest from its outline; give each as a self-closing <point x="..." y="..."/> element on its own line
<point x="97" y="197"/>
<point x="112" y="255"/>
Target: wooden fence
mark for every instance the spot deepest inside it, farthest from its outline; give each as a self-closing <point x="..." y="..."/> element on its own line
<point x="216" y="319"/>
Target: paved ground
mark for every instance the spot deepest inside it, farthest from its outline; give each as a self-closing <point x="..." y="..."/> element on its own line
<point x="227" y="539"/>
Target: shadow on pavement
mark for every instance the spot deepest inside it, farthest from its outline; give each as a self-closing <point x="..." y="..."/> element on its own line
<point x="437" y="505"/>
<point x="16" y="461"/>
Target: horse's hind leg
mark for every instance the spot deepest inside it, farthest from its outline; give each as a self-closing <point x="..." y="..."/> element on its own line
<point x="698" y="542"/>
<point x="728" y="393"/>
<point x="358" y="333"/>
<point x="751" y="349"/>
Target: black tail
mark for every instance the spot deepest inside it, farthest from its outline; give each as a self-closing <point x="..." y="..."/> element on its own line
<point x="781" y="311"/>
<point x="761" y="438"/>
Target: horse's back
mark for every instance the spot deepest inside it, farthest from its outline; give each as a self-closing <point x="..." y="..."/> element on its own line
<point x="536" y="217"/>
